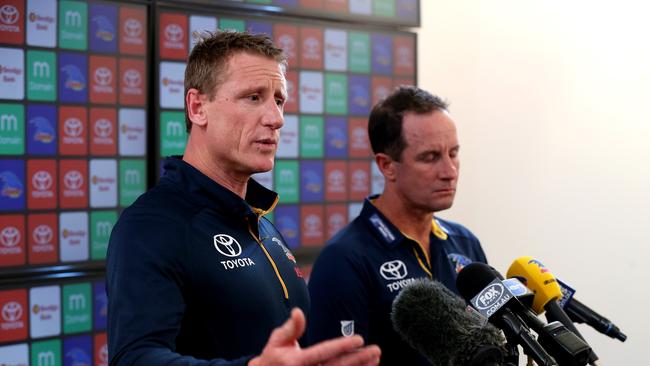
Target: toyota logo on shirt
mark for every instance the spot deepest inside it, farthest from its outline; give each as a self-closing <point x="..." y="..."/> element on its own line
<point x="227" y="245"/>
<point x="393" y="270"/>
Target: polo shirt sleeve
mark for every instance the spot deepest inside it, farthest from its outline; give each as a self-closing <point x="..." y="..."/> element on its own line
<point x="146" y="278"/>
<point x="338" y="288"/>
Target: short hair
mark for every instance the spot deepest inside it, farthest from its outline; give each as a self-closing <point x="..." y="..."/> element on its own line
<point x="208" y="60"/>
<point x="387" y="116"/>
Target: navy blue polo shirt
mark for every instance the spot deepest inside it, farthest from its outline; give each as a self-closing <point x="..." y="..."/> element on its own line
<point x="196" y="275"/>
<point x="362" y="269"/>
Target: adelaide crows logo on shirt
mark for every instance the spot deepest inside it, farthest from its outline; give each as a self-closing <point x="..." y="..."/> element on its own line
<point x="459" y="261"/>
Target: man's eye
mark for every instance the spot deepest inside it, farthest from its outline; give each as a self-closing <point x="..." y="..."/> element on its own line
<point x="279" y="102"/>
<point x="254" y="97"/>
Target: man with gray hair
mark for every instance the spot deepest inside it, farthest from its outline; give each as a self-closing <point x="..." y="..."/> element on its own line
<point x="197" y="275"/>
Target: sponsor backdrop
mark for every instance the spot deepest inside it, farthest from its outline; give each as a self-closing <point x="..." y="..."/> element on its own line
<point x="324" y="167"/>
<point x="74" y="99"/>
<point x="91" y="101"/>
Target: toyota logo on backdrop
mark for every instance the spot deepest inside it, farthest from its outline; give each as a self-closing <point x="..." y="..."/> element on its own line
<point x="227" y="245"/>
<point x="103" y="76"/>
<point x="132" y="78"/>
<point x="42" y="234"/>
<point x="42" y="180"/>
<point x="73" y="127"/>
<point x="12" y="311"/>
<point x="73" y="179"/>
<point x="173" y="33"/>
<point x="393" y="270"/>
<point x="132" y="27"/>
<point x="9" y="14"/>
<point x="9" y="236"/>
<point x="103" y="128"/>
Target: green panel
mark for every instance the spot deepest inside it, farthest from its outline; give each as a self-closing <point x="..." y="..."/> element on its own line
<point x="384" y="8"/>
<point x="359" y="52"/>
<point x="336" y="94"/>
<point x="73" y="25"/>
<point x="12" y="129"/>
<point x="77" y="308"/>
<point x="133" y="180"/>
<point x="101" y="225"/>
<point x="287" y="180"/>
<point x="46" y="353"/>
<point x="311" y="136"/>
<point x="172" y="133"/>
<point x="41" y="75"/>
<point x="232" y="24"/>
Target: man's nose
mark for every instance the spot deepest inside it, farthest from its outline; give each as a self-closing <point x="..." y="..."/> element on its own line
<point x="273" y="115"/>
<point x="449" y="168"/>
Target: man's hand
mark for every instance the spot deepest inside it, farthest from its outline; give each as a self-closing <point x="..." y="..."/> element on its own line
<point x="283" y="348"/>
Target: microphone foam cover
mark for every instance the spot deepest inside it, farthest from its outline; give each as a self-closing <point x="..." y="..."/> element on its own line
<point x="434" y="321"/>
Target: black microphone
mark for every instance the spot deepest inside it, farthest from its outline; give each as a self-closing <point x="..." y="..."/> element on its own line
<point x="436" y="322"/>
<point x="547" y="291"/>
<point x="581" y="313"/>
<point x="482" y="288"/>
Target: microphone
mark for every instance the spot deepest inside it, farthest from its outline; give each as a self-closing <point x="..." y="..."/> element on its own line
<point x="536" y="274"/>
<point x="547" y="332"/>
<point x="481" y="286"/>
<point x="547" y="291"/>
<point x="436" y="322"/>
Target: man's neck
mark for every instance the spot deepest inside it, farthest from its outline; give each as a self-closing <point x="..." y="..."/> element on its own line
<point x="415" y="224"/>
<point x="213" y="170"/>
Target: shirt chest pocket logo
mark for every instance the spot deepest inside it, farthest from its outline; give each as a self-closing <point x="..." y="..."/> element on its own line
<point x="393" y="270"/>
<point x="227" y="245"/>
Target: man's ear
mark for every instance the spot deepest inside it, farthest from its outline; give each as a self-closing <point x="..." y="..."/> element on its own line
<point x="195" y="102"/>
<point x="386" y="166"/>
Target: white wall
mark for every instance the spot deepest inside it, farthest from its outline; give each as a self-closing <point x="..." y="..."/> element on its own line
<point x="552" y="103"/>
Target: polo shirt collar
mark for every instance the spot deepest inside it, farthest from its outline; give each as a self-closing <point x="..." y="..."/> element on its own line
<point x="201" y="188"/>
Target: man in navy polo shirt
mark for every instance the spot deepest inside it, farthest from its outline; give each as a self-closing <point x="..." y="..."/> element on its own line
<point x="396" y="238"/>
<point x="196" y="275"/>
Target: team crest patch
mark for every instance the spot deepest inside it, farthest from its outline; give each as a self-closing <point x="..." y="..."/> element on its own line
<point x="286" y="250"/>
<point x="459" y="261"/>
<point x="347" y="328"/>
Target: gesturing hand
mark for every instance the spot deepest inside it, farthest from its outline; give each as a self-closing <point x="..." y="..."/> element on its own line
<point x="283" y="349"/>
